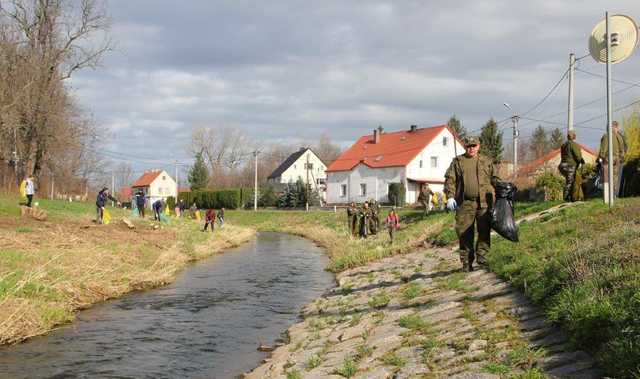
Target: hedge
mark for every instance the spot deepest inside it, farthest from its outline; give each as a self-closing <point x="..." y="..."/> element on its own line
<point x="229" y="198"/>
<point x="397" y="193"/>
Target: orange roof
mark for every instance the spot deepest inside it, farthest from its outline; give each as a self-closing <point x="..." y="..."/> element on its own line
<point x="536" y="164"/>
<point x="395" y="149"/>
<point x="146" y="179"/>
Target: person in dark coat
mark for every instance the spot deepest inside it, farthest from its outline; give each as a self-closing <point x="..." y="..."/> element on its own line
<point x="221" y="217"/>
<point x="210" y="219"/>
<point x="101" y="201"/>
<point x="570" y="161"/>
<point x="140" y="203"/>
<point x="158" y="208"/>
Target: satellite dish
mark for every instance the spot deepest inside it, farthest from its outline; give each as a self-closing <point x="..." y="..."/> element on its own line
<point x="624" y="38"/>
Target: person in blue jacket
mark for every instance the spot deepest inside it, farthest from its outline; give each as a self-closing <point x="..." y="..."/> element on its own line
<point x="101" y="200"/>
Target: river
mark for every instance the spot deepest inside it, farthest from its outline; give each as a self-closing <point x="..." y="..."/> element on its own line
<point x="207" y="324"/>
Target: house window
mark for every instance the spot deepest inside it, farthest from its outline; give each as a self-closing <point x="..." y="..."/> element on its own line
<point x="164" y="177"/>
<point x="445" y="140"/>
<point x="320" y="181"/>
<point x="160" y="190"/>
<point x="420" y="163"/>
<point x="308" y="166"/>
<point x="434" y="162"/>
<point x="294" y="167"/>
<point x="343" y="190"/>
<point x="363" y="189"/>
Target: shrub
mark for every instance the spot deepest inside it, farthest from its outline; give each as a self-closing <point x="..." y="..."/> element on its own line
<point x="228" y="198"/>
<point x="551" y="184"/>
<point x="267" y="197"/>
<point x="397" y="193"/>
<point x="171" y="202"/>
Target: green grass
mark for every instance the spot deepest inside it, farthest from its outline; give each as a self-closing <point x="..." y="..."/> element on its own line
<point x="583" y="267"/>
<point x="329" y="230"/>
<point x="313" y="362"/>
<point x="348" y="369"/>
<point x="415" y="323"/>
<point x="392" y="359"/>
<point x="379" y="300"/>
<point x="411" y="291"/>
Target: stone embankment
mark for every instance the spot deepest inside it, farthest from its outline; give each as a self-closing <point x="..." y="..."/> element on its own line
<point x="419" y="316"/>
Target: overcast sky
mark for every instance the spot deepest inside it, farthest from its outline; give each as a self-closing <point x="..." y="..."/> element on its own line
<point x="286" y="71"/>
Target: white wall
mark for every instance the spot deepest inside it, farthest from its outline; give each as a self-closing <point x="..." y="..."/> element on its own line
<point x="162" y="187"/>
<point x="297" y="169"/>
<point x="377" y="181"/>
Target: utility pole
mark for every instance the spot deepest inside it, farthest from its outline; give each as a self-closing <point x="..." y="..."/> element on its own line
<point x="255" y="182"/>
<point x="516" y="133"/>
<point x="572" y="71"/>
<point x="52" y="184"/>
<point x="177" y="183"/>
<point x="306" y="188"/>
<point x="609" y="114"/>
<point x="113" y="186"/>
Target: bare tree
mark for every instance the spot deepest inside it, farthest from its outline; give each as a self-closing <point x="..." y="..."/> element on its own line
<point x="43" y="43"/>
<point x="327" y="150"/>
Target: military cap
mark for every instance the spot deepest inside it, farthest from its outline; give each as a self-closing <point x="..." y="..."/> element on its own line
<point x="470" y="140"/>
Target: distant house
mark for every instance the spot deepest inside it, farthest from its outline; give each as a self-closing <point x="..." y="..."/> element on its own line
<point x="411" y="157"/>
<point x="155" y="184"/>
<point x="305" y="165"/>
<point x="550" y="161"/>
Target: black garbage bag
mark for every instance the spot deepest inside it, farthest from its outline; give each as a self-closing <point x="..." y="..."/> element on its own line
<point x="502" y="217"/>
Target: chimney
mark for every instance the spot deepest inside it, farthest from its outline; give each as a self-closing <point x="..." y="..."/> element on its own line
<point x="413" y="128"/>
<point x="376" y="136"/>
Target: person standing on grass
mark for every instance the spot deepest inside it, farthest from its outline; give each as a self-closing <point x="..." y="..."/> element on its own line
<point x="423" y="198"/>
<point x="352" y="219"/>
<point x="101" y="201"/>
<point x="469" y="186"/>
<point x="140" y="203"/>
<point x="570" y="161"/>
<point x="210" y="219"/>
<point x="221" y="217"/>
<point x="619" y="151"/>
<point x="29" y="190"/>
<point x="158" y="207"/>
<point x="364" y="214"/>
<point x="392" y="224"/>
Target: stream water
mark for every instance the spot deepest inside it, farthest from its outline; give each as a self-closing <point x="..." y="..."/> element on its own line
<point x="207" y="324"/>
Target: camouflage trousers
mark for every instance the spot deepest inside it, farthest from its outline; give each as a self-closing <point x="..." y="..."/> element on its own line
<point x="469" y="217"/>
<point x="569" y="173"/>
<point x="425" y="204"/>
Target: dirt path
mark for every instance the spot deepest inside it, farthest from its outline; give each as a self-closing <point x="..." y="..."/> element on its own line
<point x="418" y="315"/>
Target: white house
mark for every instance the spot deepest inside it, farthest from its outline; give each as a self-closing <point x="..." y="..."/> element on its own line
<point x="411" y="157"/>
<point x="156" y="184"/>
<point x="304" y="164"/>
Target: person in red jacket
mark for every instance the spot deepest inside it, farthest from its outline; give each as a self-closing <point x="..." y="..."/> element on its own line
<point x="210" y="219"/>
<point x="393" y="221"/>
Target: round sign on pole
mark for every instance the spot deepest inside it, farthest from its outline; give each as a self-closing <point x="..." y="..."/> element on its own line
<point x="624" y="39"/>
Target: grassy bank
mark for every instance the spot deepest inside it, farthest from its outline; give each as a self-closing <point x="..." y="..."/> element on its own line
<point x="583" y="267"/>
<point x="329" y="230"/>
<point x="51" y="269"/>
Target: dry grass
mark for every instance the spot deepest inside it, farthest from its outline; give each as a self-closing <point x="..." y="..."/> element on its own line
<point x="49" y="270"/>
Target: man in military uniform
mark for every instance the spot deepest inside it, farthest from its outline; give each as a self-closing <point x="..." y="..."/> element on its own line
<point x="364" y="215"/>
<point x="469" y="187"/>
<point x="374" y="221"/>
<point x="423" y="197"/>
<point x="352" y="219"/>
<point x="619" y="150"/>
<point x="570" y="160"/>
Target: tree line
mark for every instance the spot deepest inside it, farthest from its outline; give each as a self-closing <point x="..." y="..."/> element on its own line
<point x="43" y="43"/>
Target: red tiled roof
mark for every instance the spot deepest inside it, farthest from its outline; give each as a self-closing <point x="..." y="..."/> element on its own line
<point x="395" y="149"/>
<point x="146" y="179"/>
<point x="536" y="164"/>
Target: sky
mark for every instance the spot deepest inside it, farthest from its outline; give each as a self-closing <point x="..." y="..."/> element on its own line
<point x="289" y="71"/>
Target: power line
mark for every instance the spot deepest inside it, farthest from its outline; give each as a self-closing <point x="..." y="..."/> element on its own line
<point x="551" y="91"/>
<point x="604" y="114"/>
<point x="612" y="79"/>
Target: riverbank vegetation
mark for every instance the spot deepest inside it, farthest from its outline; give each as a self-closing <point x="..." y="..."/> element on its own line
<point x="329" y="229"/>
<point x="51" y="269"/>
<point x="582" y="265"/>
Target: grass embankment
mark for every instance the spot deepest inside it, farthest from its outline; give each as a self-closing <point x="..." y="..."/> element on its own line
<point x="51" y="269"/>
<point x="330" y="231"/>
<point x="582" y="266"/>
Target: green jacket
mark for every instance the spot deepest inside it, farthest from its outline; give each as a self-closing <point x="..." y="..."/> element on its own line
<point x="571" y="154"/>
<point x="619" y="148"/>
<point x="454" y="183"/>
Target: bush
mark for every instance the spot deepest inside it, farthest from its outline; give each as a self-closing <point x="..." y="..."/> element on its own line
<point x="295" y="196"/>
<point x="171" y="202"/>
<point x="551" y="184"/>
<point x="267" y="197"/>
<point x="397" y="193"/>
<point x="228" y="198"/>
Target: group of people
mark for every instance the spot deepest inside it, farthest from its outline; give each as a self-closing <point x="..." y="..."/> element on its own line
<point x="430" y="200"/>
<point x="210" y="218"/>
<point x="571" y="159"/>
<point x="364" y="221"/>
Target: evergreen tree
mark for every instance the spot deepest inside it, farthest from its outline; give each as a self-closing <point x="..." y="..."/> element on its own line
<point x="198" y="174"/>
<point x="456" y="126"/>
<point x="540" y="142"/>
<point x="557" y="139"/>
<point x="491" y="141"/>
